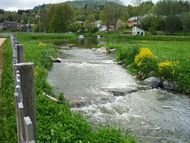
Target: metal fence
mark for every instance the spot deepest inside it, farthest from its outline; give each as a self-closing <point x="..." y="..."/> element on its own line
<point x="24" y="94"/>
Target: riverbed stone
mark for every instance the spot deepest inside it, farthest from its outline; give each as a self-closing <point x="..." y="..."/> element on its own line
<point x="57" y="60"/>
<point x="153" y="82"/>
<point x="120" y="62"/>
<point x="102" y="49"/>
<point x="168" y="85"/>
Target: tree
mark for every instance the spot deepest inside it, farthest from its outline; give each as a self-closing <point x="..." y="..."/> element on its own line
<point x="61" y="17"/>
<point x="106" y="15"/>
<point x="185" y="19"/>
<point x="111" y="14"/>
<point x="172" y="24"/>
<point x="89" y="23"/>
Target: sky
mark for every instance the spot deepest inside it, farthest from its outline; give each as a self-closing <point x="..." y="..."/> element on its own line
<point x="14" y="5"/>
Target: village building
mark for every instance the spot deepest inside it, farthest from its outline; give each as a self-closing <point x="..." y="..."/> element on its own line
<point x="100" y="26"/>
<point x="134" y="22"/>
<point x="15" y="26"/>
<point x="137" y="31"/>
<point x="1" y="26"/>
<point x="11" y="25"/>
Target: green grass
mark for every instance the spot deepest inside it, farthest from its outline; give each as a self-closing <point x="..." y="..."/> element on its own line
<point x="55" y="122"/>
<point x="162" y="49"/>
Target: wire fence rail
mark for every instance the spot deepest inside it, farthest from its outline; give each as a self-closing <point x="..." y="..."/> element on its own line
<point x="24" y="94"/>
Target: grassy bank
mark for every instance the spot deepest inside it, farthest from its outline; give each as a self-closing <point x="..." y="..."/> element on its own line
<point x="139" y="38"/>
<point x="169" y="60"/>
<point x="55" y="122"/>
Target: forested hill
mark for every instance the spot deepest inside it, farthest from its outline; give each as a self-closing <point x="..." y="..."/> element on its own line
<point x="78" y="4"/>
<point x="96" y="4"/>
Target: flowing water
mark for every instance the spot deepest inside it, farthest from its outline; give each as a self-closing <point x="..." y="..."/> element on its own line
<point x="108" y="96"/>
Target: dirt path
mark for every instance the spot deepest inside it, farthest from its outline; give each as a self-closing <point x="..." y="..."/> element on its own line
<point x="1" y="57"/>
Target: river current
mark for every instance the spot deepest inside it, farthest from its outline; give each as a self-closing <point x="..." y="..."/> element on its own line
<point x="107" y="95"/>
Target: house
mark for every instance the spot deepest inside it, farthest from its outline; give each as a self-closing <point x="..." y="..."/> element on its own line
<point x="100" y="26"/>
<point x="133" y="21"/>
<point x="11" y="25"/>
<point x="14" y="25"/>
<point x="138" y="31"/>
<point x="1" y="26"/>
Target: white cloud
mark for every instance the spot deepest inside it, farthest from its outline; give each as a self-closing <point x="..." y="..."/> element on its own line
<point x="24" y="4"/>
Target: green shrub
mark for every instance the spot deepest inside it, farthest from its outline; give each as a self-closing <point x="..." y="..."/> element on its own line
<point x="126" y="54"/>
<point x="146" y="62"/>
<point x="183" y="76"/>
<point x="61" y="97"/>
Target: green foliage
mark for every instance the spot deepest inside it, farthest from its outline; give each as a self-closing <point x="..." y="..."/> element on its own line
<point x="7" y="104"/>
<point x="89" y="22"/>
<point x="60" y="16"/>
<point x="185" y="19"/>
<point x="61" y="97"/>
<point x="183" y="76"/>
<point x="126" y="54"/>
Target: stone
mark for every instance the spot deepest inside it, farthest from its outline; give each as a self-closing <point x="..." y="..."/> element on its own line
<point x="94" y="49"/>
<point x="120" y="62"/>
<point x="57" y="60"/>
<point x="168" y="85"/>
<point x="102" y="49"/>
<point x="153" y="82"/>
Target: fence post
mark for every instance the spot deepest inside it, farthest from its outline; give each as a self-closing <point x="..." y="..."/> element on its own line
<point x="20" y="53"/>
<point x="29" y="130"/>
<point x="26" y="71"/>
<point x="21" y="121"/>
<point x="18" y="118"/>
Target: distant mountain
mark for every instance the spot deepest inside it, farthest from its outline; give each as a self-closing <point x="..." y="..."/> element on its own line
<point x="97" y="4"/>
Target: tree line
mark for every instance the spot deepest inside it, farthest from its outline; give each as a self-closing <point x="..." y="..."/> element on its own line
<point x="166" y="16"/>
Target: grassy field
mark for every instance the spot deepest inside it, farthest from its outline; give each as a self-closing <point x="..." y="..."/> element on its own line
<point x="162" y="49"/>
<point x="55" y="122"/>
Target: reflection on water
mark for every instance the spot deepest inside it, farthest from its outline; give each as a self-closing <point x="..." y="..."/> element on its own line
<point x="83" y="43"/>
<point x="107" y="95"/>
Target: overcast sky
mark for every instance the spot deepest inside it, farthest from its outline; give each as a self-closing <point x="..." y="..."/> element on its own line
<point x="28" y="4"/>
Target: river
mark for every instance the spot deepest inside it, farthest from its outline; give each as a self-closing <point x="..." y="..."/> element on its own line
<point x="107" y="95"/>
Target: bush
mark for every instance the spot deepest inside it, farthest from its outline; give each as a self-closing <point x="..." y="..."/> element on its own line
<point x="167" y="69"/>
<point x="126" y="54"/>
<point x="183" y="76"/>
<point x="146" y="62"/>
<point x="61" y="97"/>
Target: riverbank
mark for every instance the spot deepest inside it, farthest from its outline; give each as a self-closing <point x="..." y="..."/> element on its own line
<point x="166" y="60"/>
<point x="55" y="122"/>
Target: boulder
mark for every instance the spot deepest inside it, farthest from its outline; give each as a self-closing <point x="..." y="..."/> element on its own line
<point x="120" y="62"/>
<point x="153" y="82"/>
<point x="57" y="60"/>
<point x="102" y="49"/>
<point x="94" y="49"/>
<point x="111" y="51"/>
<point x="168" y="85"/>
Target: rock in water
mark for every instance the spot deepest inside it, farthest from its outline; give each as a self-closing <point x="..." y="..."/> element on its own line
<point x="153" y="82"/>
<point x="168" y="85"/>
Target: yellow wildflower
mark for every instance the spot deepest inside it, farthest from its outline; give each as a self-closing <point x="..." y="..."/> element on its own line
<point x="144" y="53"/>
<point x="41" y="44"/>
<point x="167" y="64"/>
<point x="37" y="71"/>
